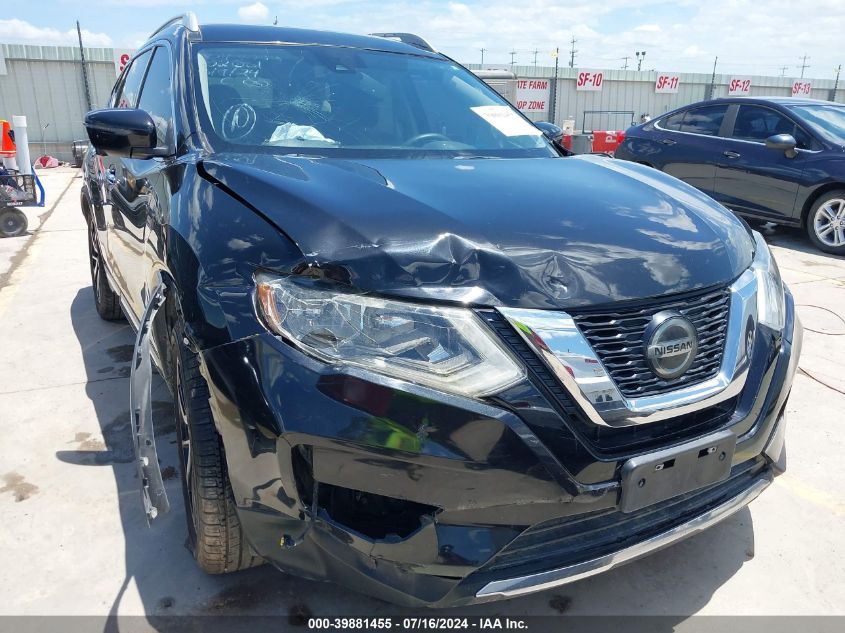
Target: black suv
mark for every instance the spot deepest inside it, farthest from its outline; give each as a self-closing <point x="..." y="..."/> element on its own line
<point x="413" y="348"/>
<point x="775" y="159"/>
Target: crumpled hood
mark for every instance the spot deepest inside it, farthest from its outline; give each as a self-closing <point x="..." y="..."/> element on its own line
<point x="535" y="233"/>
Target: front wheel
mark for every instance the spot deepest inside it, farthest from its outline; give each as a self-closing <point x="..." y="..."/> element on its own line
<point x="215" y="533"/>
<point x="826" y="222"/>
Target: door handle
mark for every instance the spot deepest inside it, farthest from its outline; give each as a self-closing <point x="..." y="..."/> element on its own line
<point x="668" y="141"/>
<point x="731" y="154"/>
<point x="111" y="175"/>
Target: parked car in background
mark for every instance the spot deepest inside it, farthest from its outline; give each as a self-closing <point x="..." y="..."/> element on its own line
<point x="776" y="159"/>
<point x="412" y="348"/>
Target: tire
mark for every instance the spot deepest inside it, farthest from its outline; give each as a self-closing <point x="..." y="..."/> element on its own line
<point x="13" y="222"/>
<point x="215" y="534"/>
<point x="105" y="299"/>
<point x="826" y="222"/>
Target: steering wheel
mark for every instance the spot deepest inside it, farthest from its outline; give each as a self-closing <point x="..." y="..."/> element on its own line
<point x="238" y="121"/>
<point x="425" y="137"/>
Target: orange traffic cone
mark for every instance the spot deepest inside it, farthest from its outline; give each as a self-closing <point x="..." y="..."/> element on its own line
<point x="7" y="142"/>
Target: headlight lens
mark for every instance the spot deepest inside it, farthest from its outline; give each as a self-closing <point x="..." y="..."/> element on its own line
<point x="770" y="302"/>
<point x="443" y="347"/>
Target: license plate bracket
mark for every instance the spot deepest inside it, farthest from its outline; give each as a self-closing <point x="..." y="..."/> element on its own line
<point x="655" y="477"/>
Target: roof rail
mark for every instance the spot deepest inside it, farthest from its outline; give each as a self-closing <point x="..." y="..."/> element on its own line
<point x="188" y="20"/>
<point x="407" y="38"/>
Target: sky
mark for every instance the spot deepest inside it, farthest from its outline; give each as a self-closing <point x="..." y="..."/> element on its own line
<point x="762" y="37"/>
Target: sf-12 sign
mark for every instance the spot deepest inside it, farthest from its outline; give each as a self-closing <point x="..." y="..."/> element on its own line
<point x="589" y="80"/>
<point x="121" y="58"/>
<point x="532" y="95"/>
<point x="739" y="86"/>
<point x="667" y="84"/>
<point x="802" y="88"/>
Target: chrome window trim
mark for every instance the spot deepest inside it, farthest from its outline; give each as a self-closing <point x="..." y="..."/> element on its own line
<point x="656" y="124"/>
<point x="556" y="339"/>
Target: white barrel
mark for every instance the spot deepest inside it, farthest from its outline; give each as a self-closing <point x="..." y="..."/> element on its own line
<point x="22" y="144"/>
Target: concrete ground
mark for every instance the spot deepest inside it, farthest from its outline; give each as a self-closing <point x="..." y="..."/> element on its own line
<point x="74" y="539"/>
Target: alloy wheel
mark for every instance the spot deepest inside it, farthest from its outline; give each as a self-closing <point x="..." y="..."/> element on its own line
<point x="829" y="222"/>
<point x="184" y="436"/>
<point x="94" y="258"/>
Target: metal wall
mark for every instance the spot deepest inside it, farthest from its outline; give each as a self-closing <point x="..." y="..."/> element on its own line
<point x="633" y="90"/>
<point x="44" y="83"/>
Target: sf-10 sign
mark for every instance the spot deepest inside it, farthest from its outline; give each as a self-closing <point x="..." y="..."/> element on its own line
<point x="802" y="88"/>
<point x="667" y="84"/>
<point x="589" y="80"/>
<point x="739" y="86"/>
<point x="121" y="58"/>
<point x="532" y="95"/>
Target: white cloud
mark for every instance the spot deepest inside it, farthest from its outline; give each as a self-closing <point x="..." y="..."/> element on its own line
<point x="254" y="13"/>
<point x="747" y="35"/>
<point x="15" y="31"/>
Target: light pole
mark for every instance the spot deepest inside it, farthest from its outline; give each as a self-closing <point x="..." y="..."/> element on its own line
<point x="640" y="59"/>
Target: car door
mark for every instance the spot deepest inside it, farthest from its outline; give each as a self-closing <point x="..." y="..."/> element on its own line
<point x="121" y="196"/>
<point x="691" y="145"/>
<point x="753" y="179"/>
<point x="139" y="191"/>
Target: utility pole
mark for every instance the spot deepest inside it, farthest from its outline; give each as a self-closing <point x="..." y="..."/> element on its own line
<point x="713" y="79"/>
<point x="640" y="59"/>
<point x="783" y="70"/>
<point x="556" y="55"/>
<point x="513" y="56"/>
<point x="535" y="56"/>
<point x="626" y="58"/>
<point x="804" y="65"/>
<point x="84" y="68"/>
<point x="572" y="51"/>
<point x="836" y="83"/>
<point x="482" y="55"/>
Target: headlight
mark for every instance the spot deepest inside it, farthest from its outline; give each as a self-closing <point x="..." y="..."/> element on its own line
<point x="443" y="347"/>
<point x="770" y="301"/>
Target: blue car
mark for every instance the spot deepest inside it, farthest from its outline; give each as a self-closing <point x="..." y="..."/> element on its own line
<point x="774" y="159"/>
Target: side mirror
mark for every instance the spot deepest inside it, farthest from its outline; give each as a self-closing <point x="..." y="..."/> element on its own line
<point x="783" y="142"/>
<point x="122" y="132"/>
<point x="551" y="131"/>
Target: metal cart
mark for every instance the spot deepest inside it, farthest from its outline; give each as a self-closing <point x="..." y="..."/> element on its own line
<point x="17" y="190"/>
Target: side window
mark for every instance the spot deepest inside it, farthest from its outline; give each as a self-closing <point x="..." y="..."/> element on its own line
<point x="157" y="95"/>
<point x="756" y="123"/>
<point x="706" y="120"/>
<point x="128" y="94"/>
<point x="673" y="122"/>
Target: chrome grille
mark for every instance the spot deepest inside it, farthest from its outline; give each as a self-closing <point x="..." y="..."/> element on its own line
<point x="616" y="335"/>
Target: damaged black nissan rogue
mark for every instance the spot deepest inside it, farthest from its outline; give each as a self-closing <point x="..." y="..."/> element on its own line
<point x="413" y="348"/>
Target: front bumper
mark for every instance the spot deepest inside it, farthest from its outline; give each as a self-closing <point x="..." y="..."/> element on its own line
<point x="494" y="507"/>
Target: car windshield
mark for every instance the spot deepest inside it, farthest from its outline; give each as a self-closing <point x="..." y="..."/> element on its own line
<point x="827" y="120"/>
<point x="328" y="101"/>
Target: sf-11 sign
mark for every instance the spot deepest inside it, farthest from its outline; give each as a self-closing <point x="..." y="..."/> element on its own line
<point x="667" y="84"/>
<point x="589" y="80"/>
<point x="802" y="88"/>
<point x="532" y="95"/>
<point x="739" y="86"/>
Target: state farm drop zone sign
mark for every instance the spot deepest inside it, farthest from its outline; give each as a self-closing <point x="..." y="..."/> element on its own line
<point x="532" y="95"/>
